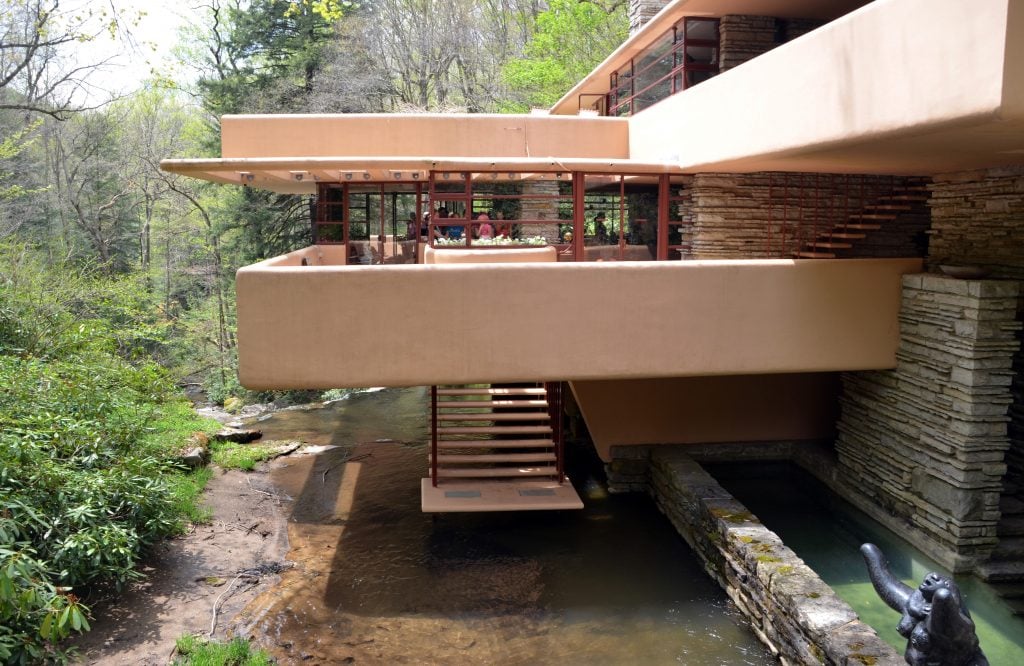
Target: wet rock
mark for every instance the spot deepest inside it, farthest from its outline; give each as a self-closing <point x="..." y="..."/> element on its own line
<point x="195" y="457"/>
<point x="238" y="435"/>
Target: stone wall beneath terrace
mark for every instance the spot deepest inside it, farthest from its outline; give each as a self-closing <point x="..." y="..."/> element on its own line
<point x="921" y="447"/>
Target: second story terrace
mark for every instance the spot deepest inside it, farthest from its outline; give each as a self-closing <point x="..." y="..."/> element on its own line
<point x="816" y="137"/>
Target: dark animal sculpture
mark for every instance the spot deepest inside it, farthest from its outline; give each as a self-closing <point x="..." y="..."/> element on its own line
<point x="938" y="628"/>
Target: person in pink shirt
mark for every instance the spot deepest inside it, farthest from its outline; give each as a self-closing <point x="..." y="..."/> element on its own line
<point x="485" y="230"/>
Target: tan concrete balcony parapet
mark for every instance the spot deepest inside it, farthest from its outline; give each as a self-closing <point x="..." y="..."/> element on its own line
<point x="426" y="134"/>
<point x="325" y="326"/>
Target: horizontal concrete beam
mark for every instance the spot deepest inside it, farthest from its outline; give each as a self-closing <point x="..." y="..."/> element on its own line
<point x="344" y="326"/>
<point x="877" y="91"/>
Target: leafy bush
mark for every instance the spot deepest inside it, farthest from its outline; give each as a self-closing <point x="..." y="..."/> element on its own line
<point x="88" y="439"/>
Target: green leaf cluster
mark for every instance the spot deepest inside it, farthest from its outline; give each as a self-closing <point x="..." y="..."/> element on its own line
<point x="570" y="38"/>
<point x="194" y="651"/>
<point x="89" y="432"/>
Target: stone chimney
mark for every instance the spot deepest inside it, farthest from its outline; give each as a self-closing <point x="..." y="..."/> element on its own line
<point x="642" y="11"/>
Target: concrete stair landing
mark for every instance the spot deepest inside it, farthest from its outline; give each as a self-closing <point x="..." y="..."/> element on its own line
<point x="498" y="496"/>
<point x="496" y="450"/>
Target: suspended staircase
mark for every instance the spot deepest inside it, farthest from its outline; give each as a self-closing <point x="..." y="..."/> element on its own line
<point x="496" y="448"/>
<point x="891" y="220"/>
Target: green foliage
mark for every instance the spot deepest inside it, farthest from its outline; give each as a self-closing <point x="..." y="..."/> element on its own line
<point x="570" y="39"/>
<point x="194" y="651"/>
<point x="88" y="438"/>
<point x="268" y="52"/>
<point x="10" y="147"/>
<point x="68" y="310"/>
<point x="239" y="456"/>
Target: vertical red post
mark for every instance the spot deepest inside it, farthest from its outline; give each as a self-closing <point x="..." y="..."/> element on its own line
<point x="771" y="202"/>
<point x="433" y="435"/>
<point x="578" y="229"/>
<point x="554" y="395"/>
<point x="664" y="191"/>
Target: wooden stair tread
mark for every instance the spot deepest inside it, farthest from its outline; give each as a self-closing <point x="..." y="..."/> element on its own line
<point x="493" y="430"/>
<point x="872" y="216"/>
<point x="830" y="245"/>
<point x="491" y="416"/>
<point x="905" y="197"/>
<point x="486" y="458"/>
<point x="880" y="206"/>
<point x="495" y="472"/>
<point x="803" y="254"/>
<point x="847" y="236"/>
<point x="459" y="404"/>
<point x="491" y="391"/>
<point x="496" y="444"/>
<point x="865" y="227"/>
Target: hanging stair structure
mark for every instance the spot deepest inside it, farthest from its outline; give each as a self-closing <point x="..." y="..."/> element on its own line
<point x="496" y="448"/>
<point x="902" y="211"/>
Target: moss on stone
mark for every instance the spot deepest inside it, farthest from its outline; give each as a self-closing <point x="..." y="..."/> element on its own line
<point x="866" y="659"/>
<point x="748" y="539"/>
<point x="813" y="595"/>
<point x="767" y="558"/>
<point x="729" y="516"/>
<point x="785" y="570"/>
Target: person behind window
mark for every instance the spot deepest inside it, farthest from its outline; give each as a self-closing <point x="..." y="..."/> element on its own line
<point x="444" y="232"/>
<point x="501" y="227"/>
<point x="485" y="230"/>
<point x="600" y="231"/>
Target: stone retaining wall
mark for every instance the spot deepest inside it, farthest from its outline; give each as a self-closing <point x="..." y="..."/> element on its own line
<point x="921" y="447"/>
<point x="790" y="608"/>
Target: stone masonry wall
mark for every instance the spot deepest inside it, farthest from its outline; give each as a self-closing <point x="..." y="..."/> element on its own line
<point x="642" y="11"/>
<point x="759" y="215"/>
<point x="793" y="28"/>
<point x="790" y="608"/>
<point x="745" y="37"/>
<point x="978" y="219"/>
<point x="921" y="447"/>
<point x="540" y="209"/>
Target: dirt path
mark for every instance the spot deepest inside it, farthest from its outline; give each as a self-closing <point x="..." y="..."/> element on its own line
<point x="186" y="576"/>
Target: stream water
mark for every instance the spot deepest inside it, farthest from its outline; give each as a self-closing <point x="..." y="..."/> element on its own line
<point x="378" y="582"/>
<point x="827" y="533"/>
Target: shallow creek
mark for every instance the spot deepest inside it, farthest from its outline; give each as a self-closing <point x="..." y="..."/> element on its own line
<point x="378" y="582"/>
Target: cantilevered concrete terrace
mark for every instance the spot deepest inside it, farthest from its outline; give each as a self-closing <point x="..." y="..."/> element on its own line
<point x="884" y="89"/>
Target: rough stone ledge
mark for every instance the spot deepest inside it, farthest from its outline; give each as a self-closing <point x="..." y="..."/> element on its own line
<point x="791" y="609"/>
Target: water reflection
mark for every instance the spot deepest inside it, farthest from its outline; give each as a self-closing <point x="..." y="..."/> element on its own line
<point x="827" y="534"/>
<point x="378" y="582"/>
